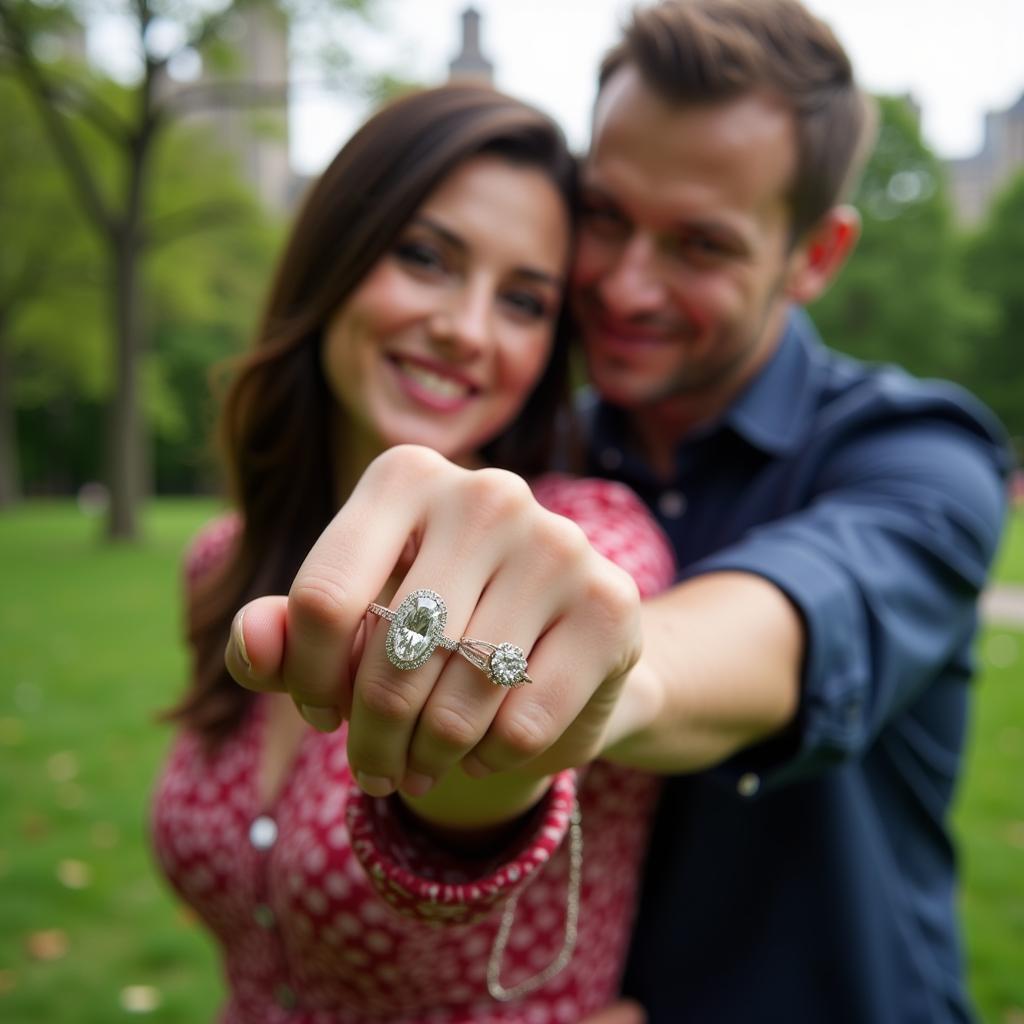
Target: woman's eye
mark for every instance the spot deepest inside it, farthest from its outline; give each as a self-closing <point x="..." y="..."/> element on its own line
<point x="419" y="256"/>
<point x="526" y="305"/>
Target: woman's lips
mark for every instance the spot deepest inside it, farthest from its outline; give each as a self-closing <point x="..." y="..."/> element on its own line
<point x="434" y="386"/>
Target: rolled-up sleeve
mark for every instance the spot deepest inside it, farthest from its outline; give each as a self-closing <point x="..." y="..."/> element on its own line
<point x="884" y="565"/>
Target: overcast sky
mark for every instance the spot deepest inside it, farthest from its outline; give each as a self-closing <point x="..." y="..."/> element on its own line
<point x="958" y="58"/>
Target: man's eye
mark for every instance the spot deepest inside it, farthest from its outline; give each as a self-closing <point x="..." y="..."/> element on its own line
<point x="419" y="255"/>
<point x="602" y="218"/>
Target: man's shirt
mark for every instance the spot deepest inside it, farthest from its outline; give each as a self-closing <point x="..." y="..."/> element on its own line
<point x="812" y="878"/>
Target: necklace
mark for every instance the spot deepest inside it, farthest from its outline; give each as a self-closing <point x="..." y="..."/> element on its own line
<point x="572" y="915"/>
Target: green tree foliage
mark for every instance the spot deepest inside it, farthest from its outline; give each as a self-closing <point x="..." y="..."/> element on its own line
<point x="201" y="290"/>
<point x="901" y="298"/>
<point x="50" y="315"/>
<point x="115" y="195"/>
<point x="994" y="262"/>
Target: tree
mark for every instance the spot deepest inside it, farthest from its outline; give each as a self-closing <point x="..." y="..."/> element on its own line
<point x="994" y="257"/>
<point x="71" y="106"/>
<point x="902" y="298"/>
<point x="47" y="254"/>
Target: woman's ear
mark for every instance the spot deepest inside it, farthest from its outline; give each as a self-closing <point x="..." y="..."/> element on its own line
<point x="820" y="255"/>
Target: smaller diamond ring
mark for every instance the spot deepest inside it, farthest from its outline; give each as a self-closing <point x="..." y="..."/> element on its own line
<point x="416" y="630"/>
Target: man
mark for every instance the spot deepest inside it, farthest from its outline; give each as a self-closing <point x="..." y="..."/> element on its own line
<point x="804" y="686"/>
<point x="834" y="524"/>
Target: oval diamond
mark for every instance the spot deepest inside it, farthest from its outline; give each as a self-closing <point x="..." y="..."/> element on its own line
<point x="417" y="628"/>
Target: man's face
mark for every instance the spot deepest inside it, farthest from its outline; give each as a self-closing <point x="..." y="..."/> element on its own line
<point x="683" y="250"/>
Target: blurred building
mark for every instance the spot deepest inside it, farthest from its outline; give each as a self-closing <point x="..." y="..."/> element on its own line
<point x="470" y="64"/>
<point x="976" y="180"/>
<point x="253" y="122"/>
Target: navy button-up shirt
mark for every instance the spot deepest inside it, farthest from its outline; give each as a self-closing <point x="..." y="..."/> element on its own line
<point x="811" y="878"/>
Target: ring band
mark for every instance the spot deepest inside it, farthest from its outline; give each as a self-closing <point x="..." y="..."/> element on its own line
<point x="416" y="630"/>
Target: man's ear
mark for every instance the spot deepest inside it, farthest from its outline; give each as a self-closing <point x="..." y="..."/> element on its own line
<point x="821" y="253"/>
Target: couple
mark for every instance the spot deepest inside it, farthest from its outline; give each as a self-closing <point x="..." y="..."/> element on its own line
<point x="769" y="739"/>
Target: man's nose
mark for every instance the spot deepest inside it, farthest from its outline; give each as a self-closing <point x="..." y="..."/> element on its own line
<point x="633" y="284"/>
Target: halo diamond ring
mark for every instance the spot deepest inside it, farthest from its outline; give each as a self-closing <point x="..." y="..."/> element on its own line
<point x="416" y="630"/>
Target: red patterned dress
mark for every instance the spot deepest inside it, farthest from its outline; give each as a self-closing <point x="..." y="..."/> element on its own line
<point x="329" y="911"/>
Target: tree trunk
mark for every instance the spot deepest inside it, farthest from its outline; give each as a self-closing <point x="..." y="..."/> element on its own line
<point x="10" y="471"/>
<point x="124" y="428"/>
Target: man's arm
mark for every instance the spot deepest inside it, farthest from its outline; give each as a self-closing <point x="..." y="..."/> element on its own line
<point x="720" y="671"/>
<point x="816" y="629"/>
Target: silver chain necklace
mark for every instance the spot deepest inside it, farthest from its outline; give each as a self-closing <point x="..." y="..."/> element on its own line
<point x="572" y="916"/>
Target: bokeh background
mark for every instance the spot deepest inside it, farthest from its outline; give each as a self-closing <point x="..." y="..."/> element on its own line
<point x="151" y="154"/>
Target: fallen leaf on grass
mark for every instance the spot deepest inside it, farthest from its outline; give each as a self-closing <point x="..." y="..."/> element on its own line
<point x="62" y="767"/>
<point x="74" y="874"/>
<point x="105" y="836"/>
<point x="48" y="944"/>
<point x="70" y="796"/>
<point x="35" y="826"/>
<point x="140" y="998"/>
<point x="7" y="982"/>
<point x="12" y="731"/>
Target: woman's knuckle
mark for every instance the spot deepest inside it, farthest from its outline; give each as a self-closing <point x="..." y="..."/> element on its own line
<point x="318" y="602"/>
<point x="451" y="727"/>
<point x="525" y="736"/>
<point x="387" y="700"/>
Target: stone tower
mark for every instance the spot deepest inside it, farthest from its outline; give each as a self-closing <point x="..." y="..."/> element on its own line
<point x="471" y="65"/>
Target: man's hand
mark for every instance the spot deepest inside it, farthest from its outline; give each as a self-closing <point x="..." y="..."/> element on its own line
<point x="508" y="570"/>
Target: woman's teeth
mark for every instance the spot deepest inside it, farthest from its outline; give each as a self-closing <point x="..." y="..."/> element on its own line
<point x="443" y="387"/>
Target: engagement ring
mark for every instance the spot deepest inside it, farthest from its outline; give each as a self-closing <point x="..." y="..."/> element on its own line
<point x="416" y="630"/>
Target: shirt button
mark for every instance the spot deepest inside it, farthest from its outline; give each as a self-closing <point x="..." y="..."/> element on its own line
<point x="672" y="504"/>
<point x="263" y="832"/>
<point x="748" y="784"/>
<point x="264" y="916"/>
<point x="610" y="458"/>
<point x="284" y="996"/>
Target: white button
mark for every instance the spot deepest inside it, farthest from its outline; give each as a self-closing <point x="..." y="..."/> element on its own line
<point x="611" y="458"/>
<point x="748" y="784"/>
<point x="263" y="832"/>
<point x="672" y="504"/>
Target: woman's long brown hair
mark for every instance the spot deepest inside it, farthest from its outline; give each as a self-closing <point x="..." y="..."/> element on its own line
<point x="277" y="433"/>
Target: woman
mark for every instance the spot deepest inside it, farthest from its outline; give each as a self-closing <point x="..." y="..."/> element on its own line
<point x="418" y="301"/>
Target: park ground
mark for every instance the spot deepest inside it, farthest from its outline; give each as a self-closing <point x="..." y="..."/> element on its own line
<point x="90" y="650"/>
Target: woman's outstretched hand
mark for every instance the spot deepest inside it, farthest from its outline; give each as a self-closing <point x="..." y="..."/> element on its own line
<point x="508" y="570"/>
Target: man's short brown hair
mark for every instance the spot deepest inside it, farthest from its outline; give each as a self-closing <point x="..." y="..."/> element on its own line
<point x="709" y="51"/>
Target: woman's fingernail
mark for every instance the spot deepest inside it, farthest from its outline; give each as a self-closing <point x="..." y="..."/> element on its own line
<point x="239" y="634"/>
<point x="375" y="785"/>
<point x="475" y="768"/>
<point x="417" y="784"/>
<point x="324" y="719"/>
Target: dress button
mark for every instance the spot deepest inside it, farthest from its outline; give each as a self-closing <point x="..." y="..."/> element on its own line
<point x="610" y="458"/>
<point x="284" y="996"/>
<point x="263" y="832"/>
<point x="264" y="916"/>
<point x="748" y="784"/>
<point x="672" y="504"/>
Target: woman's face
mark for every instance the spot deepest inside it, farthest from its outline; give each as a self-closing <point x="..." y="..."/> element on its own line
<point x="448" y="333"/>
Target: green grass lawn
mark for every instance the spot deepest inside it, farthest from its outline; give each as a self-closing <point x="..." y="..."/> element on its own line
<point x="89" y="650"/>
<point x="1010" y="560"/>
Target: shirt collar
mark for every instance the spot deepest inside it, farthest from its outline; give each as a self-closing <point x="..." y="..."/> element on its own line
<point x="774" y="411"/>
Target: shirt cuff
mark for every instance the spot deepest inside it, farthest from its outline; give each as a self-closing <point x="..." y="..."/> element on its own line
<point x="833" y="720"/>
<point x="419" y="879"/>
